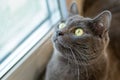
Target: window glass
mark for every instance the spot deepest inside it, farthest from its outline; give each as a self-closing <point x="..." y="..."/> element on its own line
<point x="16" y="17"/>
<point x="22" y="24"/>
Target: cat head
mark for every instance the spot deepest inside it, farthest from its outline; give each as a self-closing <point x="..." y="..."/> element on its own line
<point x="82" y="39"/>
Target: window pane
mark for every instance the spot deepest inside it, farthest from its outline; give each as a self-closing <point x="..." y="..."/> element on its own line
<point x="22" y="24"/>
<point x="16" y="20"/>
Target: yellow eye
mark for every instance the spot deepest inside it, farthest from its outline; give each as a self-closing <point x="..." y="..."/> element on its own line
<point x="78" y="32"/>
<point x="61" y="25"/>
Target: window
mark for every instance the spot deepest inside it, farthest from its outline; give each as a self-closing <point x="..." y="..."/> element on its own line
<point x="22" y="24"/>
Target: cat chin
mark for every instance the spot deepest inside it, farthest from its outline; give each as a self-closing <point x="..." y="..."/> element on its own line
<point x="55" y="41"/>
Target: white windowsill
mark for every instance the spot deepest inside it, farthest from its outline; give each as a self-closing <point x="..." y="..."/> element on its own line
<point x="33" y="63"/>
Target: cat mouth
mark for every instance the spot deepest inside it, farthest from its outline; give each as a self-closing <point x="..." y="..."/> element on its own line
<point x="55" y="40"/>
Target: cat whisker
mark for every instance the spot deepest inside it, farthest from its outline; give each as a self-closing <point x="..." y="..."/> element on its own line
<point x="76" y="61"/>
<point x="80" y="55"/>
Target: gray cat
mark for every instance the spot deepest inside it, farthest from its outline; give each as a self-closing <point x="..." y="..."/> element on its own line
<point x="80" y="48"/>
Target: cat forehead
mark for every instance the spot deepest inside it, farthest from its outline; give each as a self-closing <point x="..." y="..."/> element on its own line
<point x="77" y="18"/>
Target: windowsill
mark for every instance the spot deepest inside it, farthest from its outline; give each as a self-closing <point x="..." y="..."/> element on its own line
<point x="33" y="63"/>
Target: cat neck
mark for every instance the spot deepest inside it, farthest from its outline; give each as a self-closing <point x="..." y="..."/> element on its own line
<point x="97" y="70"/>
<point x="98" y="60"/>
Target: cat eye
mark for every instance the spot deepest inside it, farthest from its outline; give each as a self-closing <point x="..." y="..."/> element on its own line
<point x="78" y="32"/>
<point x="61" y="25"/>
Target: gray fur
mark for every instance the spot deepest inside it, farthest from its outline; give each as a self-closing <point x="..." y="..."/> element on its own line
<point x="80" y="57"/>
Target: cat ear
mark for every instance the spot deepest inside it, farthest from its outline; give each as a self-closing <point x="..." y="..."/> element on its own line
<point x="73" y="9"/>
<point x="101" y="22"/>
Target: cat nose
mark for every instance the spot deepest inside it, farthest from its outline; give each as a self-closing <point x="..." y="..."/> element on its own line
<point x="59" y="33"/>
